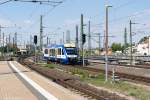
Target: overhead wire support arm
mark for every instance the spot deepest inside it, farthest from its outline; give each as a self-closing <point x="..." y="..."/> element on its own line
<point x="41" y="1"/>
<point x="55" y="1"/>
<point x="48" y="2"/>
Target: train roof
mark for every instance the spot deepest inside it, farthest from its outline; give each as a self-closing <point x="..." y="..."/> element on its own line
<point x="55" y="46"/>
<point x="61" y="45"/>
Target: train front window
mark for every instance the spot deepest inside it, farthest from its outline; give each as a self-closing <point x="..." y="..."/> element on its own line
<point x="71" y="51"/>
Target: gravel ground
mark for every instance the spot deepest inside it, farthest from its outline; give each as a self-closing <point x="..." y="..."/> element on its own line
<point x="123" y="69"/>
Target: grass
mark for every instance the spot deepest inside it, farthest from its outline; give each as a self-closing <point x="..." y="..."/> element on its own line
<point x="99" y="80"/>
<point x="51" y="66"/>
<point x="121" y="86"/>
<point x="81" y="73"/>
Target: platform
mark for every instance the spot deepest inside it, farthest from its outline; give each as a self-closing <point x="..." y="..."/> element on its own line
<point x="20" y="83"/>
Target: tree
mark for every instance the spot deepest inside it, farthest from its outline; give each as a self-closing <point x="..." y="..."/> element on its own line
<point x="117" y="47"/>
<point x="144" y="40"/>
<point x="8" y="48"/>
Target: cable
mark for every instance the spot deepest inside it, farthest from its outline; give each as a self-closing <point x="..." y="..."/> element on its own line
<point x="39" y="1"/>
<point x="124" y="17"/>
<point x="5" y="2"/>
<point x="44" y="15"/>
<point x="121" y="5"/>
<point x="53" y="8"/>
<point x="124" y="4"/>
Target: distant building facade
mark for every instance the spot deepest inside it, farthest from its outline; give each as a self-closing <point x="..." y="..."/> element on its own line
<point x="143" y="48"/>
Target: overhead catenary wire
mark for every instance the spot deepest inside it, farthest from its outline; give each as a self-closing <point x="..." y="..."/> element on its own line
<point x="34" y="1"/>
<point x="4" y="2"/>
<point x="54" y="4"/>
<point x="122" y="18"/>
<point x="39" y="1"/>
<point x="115" y="8"/>
<point x="46" y="13"/>
<point x="113" y="20"/>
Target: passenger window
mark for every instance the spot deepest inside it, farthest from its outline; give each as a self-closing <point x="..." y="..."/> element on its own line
<point x="62" y="51"/>
<point x="46" y="51"/>
<point x="50" y="52"/>
<point x="53" y="52"/>
<point x="59" y="51"/>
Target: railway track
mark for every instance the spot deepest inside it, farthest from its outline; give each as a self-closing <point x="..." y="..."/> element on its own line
<point x="144" y="66"/>
<point x="72" y="82"/>
<point x="124" y="76"/>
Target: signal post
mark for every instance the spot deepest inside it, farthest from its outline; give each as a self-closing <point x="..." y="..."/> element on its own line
<point x="35" y="45"/>
<point x="83" y="39"/>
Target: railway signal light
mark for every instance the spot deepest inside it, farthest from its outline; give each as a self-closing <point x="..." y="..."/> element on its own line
<point x="35" y="39"/>
<point x="83" y="38"/>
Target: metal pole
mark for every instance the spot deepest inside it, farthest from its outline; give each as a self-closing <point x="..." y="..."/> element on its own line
<point x="13" y="46"/>
<point x="106" y="45"/>
<point x="16" y="39"/>
<point x="68" y="36"/>
<point x="131" y="57"/>
<point x="63" y="37"/>
<point x="47" y="41"/>
<point x="82" y="40"/>
<point x="9" y="39"/>
<point x="148" y="45"/>
<point x="77" y="36"/>
<point x="41" y="32"/>
<point x="125" y="39"/>
<point x="99" y="43"/>
<point x="7" y="45"/>
<point x="35" y="52"/>
<point x="89" y="38"/>
<point x="81" y="43"/>
<point x="30" y="42"/>
<point x="24" y="44"/>
<point x="3" y="46"/>
<point x="83" y="56"/>
<point x="113" y="73"/>
<point x="0" y="35"/>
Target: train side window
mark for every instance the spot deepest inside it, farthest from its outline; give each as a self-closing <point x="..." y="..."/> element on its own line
<point x="62" y="51"/>
<point x="59" y="51"/>
<point x="53" y="52"/>
<point x="46" y="51"/>
<point x="50" y="52"/>
<point x="56" y="51"/>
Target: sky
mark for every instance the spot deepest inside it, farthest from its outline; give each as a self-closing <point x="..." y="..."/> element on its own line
<point x="24" y="18"/>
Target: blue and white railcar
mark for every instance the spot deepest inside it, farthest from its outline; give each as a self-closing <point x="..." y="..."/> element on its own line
<point x="65" y="54"/>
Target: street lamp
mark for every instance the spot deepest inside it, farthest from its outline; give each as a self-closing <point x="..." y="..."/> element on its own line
<point x="106" y="45"/>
